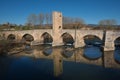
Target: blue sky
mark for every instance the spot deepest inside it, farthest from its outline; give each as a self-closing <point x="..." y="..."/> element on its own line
<point x="92" y="11"/>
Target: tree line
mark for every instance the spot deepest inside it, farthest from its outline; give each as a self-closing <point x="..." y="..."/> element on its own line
<point x="70" y="22"/>
<point x="39" y="20"/>
<point x="44" y="20"/>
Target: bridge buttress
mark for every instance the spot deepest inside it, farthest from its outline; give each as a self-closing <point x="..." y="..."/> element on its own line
<point x="79" y="42"/>
<point x="109" y="41"/>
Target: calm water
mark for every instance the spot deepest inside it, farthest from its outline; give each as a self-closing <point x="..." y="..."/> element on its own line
<point x="30" y="68"/>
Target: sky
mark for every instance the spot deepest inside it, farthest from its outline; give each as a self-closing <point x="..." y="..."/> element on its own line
<point x="91" y="11"/>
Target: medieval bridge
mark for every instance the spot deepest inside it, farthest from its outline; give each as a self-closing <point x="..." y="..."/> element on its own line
<point x="57" y="34"/>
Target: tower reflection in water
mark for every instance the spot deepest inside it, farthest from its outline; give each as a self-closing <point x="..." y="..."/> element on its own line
<point x="47" y="61"/>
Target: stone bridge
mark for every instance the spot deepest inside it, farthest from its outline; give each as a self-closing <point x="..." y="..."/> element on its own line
<point x="78" y="36"/>
<point x="57" y="32"/>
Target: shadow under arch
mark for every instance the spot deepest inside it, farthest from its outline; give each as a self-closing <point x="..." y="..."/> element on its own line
<point x="92" y="40"/>
<point x="47" y="38"/>
<point x="67" y="39"/>
<point x="117" y="42"/>
<point x="11" y="37"/>
<point x="117" y="50"/>
<point x="28" y="37"/>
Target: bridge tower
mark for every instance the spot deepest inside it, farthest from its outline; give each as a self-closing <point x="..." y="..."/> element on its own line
<point x="57" y="28"/>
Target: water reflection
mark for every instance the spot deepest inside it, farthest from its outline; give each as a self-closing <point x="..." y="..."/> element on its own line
<point x="67" y="53"/>
<point x="26" y="68"/>
<point x="28" y="49"/>
<point x="47" y="51"/>
<point x="92" y="52"/>
<point x="117" y="54"/>
<point x="31" y="68"/>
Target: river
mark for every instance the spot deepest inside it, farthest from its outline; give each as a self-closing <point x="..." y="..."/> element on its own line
<point x="31" y="64"/>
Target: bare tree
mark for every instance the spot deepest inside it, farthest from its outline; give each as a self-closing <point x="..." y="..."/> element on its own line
<point x="108" y="22"/>
<point x="32" y="19"/>
<point x="67" y="20"/>
<point x="48" y="19"/>
<point x="41" y="19"/>
<point x="78" y="22"/>
<point x="73" y="22"/>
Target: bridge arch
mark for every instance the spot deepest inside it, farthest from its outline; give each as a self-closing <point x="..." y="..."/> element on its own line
<point x="67" y="38"/>
<point x="28" y="37"/>
<point x="117" y="50"/>
<point x="46" y="38"/>
<point x="117" y="42"/>
<point x="11" y="37"/>
<point x="92" y="40"/>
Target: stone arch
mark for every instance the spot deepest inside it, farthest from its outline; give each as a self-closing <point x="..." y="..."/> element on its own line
<point x="117" y="49"/>
<point x="11" y="37"/>
<point x="46" y="38"/>
<point x="28" y="37"/>
<point x="92" y="39"/>
<point x="67" y="38"/>
<point x="117" y="42"/>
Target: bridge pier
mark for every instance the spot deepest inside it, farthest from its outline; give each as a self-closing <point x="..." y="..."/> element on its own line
<point x="79" y="42"/>
<point x="109" y="41"/>
<point x="109" y="47"/>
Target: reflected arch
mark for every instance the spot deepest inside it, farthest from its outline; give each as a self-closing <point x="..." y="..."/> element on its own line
<point x="47" y="51"/>
<point x="67" y="39"/>
<point x="67" y="53"/>
<point x="11" y="37"/>
<point x="92" y="53"/>
<point x="28" y="37"/>
<point x="46" y="38"/>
